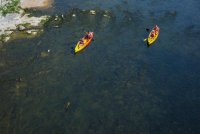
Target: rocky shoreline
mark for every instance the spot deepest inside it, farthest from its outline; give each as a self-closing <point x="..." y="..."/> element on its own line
<point x="13" y="19"/>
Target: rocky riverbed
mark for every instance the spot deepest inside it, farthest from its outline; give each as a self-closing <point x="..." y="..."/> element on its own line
<point x="14" y="19"/>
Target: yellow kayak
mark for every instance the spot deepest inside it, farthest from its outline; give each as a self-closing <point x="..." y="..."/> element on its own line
<point x="84" y="42"/>
<point x="153" y="35"/>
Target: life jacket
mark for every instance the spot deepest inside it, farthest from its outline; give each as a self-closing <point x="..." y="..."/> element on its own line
<point x="153" y="33"/>
<point x="90" y="34"/>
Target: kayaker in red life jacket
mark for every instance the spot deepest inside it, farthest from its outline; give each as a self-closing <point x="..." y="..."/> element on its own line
<point x="87" y="35"/>
<point x="156" y="28"/>
<point x="153" y="33"/>
<point x="81" y="41"/>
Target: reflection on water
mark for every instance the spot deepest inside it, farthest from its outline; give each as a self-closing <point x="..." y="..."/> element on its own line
<point x="116" y="85"/>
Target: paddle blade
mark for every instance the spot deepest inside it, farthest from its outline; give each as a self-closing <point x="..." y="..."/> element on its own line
<point x="147" y="29"/>
<point x="145" y="39"/>
<point x="72" y="51"/>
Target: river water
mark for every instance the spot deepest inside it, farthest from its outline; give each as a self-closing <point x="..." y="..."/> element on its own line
<point x="117" y="85"/>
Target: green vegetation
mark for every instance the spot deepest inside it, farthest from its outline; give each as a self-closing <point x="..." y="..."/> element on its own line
<point x="10" y="7"/>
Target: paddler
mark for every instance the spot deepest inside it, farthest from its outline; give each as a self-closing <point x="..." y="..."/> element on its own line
<point x="81" y="41"/>
<point x="153" y="33"/>
<point x="87" y="36"/>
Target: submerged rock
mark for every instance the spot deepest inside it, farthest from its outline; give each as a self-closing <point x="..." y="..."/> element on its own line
<point x="21" y="28"/>
<point x="6" y="39"/>
<point x="26" y="34"/>
<point x="14" y="22"/>
<point x="44" y="54"/>
<point x="2" y="64"/>
<point x="29" y="31"/>
<point x="67" y="105"/>
<point x="20" y="88"/>
<point x="92" y="12"/>
<point x="105" y="15"/>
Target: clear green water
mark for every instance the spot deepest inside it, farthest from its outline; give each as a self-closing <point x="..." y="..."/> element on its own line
<point x="117" y="85"/>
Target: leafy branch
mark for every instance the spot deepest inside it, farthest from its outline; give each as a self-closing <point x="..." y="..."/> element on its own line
<point x="10" y="7"/>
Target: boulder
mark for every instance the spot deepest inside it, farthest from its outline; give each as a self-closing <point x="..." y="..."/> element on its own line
<point x="21" y="28"/>
<point x="36" y="3"/>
